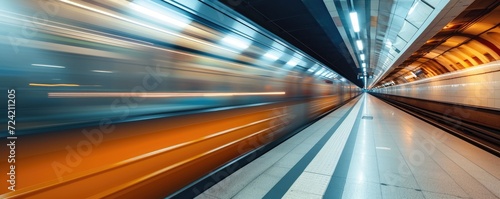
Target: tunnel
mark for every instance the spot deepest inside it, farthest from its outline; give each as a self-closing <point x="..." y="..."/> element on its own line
<point x="245" y="99"/>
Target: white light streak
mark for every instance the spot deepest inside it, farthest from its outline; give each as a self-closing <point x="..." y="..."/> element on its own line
<point x="53" y="85"/>
<point x="360" y="44"/>
<point x="102" y="71"/>
<point x="142" y="24"/>
<point x="157" y="15"/>
<point x="320" y="71"/>
<point x="48" y="66"/>
<point x="292" y="62"/>
<point x="152" y="95"/>
<point x="354" y="21"/>
<point x="313" y="68"/>
<point x="271" y="55"/>
<point x="238" y="43"/>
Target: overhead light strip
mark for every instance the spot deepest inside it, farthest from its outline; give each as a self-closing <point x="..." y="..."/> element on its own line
<point x="354" y="21"/>
<point x="360" y="44"/>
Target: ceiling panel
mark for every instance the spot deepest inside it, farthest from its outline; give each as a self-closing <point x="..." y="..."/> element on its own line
<point x="395" y="33"/>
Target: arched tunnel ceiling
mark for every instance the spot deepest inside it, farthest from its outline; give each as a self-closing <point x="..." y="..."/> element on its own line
<point x="470" y="39"/>
<point x="440" y="37"/>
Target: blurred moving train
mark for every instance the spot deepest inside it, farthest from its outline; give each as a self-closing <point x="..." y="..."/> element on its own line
<point x="141" y="98"/>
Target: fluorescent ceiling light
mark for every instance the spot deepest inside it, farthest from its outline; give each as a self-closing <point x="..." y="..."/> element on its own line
<point x="360" y="44"/>
<point x="320" y="71"/>
<point x="409" y="76"/>
<point x="313" y="68"/>
<point x="270" y="55"/>
<point x="354" y="21"/>
<point x="363" y="65"/>
<point x="388" y="43"/>
<point x="238" y="43"/>
<point x="362" y="56"/>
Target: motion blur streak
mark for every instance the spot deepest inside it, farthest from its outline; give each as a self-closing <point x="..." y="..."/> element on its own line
<point x="159" y="94"/>
<point x="141" y="24"/>
<point x="139" y="100"/>
<point x="36" y="84"/>
<point x="102" y="71"/>
<point x="183" y="150"/>
<point x="50" y="66"/>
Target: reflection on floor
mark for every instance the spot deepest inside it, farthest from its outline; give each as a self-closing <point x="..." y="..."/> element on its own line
<point x="367" y="149"/>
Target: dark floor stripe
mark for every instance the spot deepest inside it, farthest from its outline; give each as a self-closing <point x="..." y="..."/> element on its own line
<point x="336" y="186"/>
<point x="279" y="189"/>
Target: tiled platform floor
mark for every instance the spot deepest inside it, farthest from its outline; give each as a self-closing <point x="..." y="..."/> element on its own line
<point x="348" y="154"/>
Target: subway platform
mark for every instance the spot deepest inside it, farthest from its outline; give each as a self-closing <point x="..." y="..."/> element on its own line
<point x="367" y="149"/>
